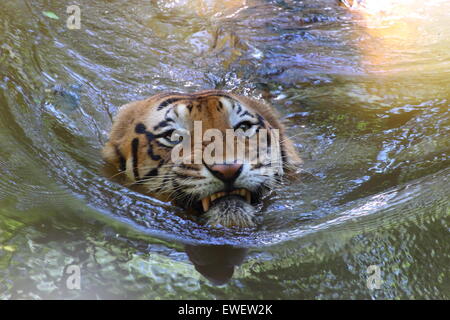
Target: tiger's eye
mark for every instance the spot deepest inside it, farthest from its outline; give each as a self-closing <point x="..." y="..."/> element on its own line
<point x="167" y="138"/>
<point x="244" y="126"/>
<point x="168" y="134"/>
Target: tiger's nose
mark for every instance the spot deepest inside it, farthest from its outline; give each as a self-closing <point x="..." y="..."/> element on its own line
<point x="226" y="172"/>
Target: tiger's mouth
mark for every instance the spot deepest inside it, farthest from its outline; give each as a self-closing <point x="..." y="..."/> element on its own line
<point x="209" y="200"/>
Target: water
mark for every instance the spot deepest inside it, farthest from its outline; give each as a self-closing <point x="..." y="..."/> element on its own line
<point x="364" y="94"/>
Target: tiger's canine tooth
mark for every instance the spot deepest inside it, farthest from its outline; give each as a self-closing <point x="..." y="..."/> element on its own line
<point x="205" y="203"/>
<point x="248" y="197"/>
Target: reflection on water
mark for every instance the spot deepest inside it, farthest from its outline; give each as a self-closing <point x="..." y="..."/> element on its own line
<point x="216" y="263"/>
<point x="364" y="93"/>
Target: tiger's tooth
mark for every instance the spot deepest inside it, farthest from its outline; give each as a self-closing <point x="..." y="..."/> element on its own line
<point x="242" y="192"/>
<point x="205" y="204"/>
<point x="213" y="197"/>
<point x="248" y="197"/>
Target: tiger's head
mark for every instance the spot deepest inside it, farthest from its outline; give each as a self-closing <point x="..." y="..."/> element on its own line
<point x="145" y="144"/>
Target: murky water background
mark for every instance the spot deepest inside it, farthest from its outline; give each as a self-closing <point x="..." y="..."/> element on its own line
<point x="365" y="95"/>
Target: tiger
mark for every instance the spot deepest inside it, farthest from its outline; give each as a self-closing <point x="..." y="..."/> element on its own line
<point x="140" y="145"/>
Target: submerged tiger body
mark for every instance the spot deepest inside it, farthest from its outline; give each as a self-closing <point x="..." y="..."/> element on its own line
<point x="141" y="145"/>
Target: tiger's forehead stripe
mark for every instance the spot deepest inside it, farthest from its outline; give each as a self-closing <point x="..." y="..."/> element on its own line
<point x="168" y="102"/>
<point x="227" y="103"/>
<point x="246" y="113"/>
<point x="190" y="97"/>
<point x="162" y="124"/>
<point x="178" y="109"/>
<point x="183" y="110"/>
<point x="236" y="106"/>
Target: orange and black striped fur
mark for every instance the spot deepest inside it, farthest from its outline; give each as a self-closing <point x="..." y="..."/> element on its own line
<point x="139" y="145"/>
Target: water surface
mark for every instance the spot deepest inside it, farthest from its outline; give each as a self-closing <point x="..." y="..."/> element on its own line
<point x="364" y="94"/>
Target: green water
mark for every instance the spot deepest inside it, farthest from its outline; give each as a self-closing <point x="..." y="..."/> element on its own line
<point x="365" y="97"/>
